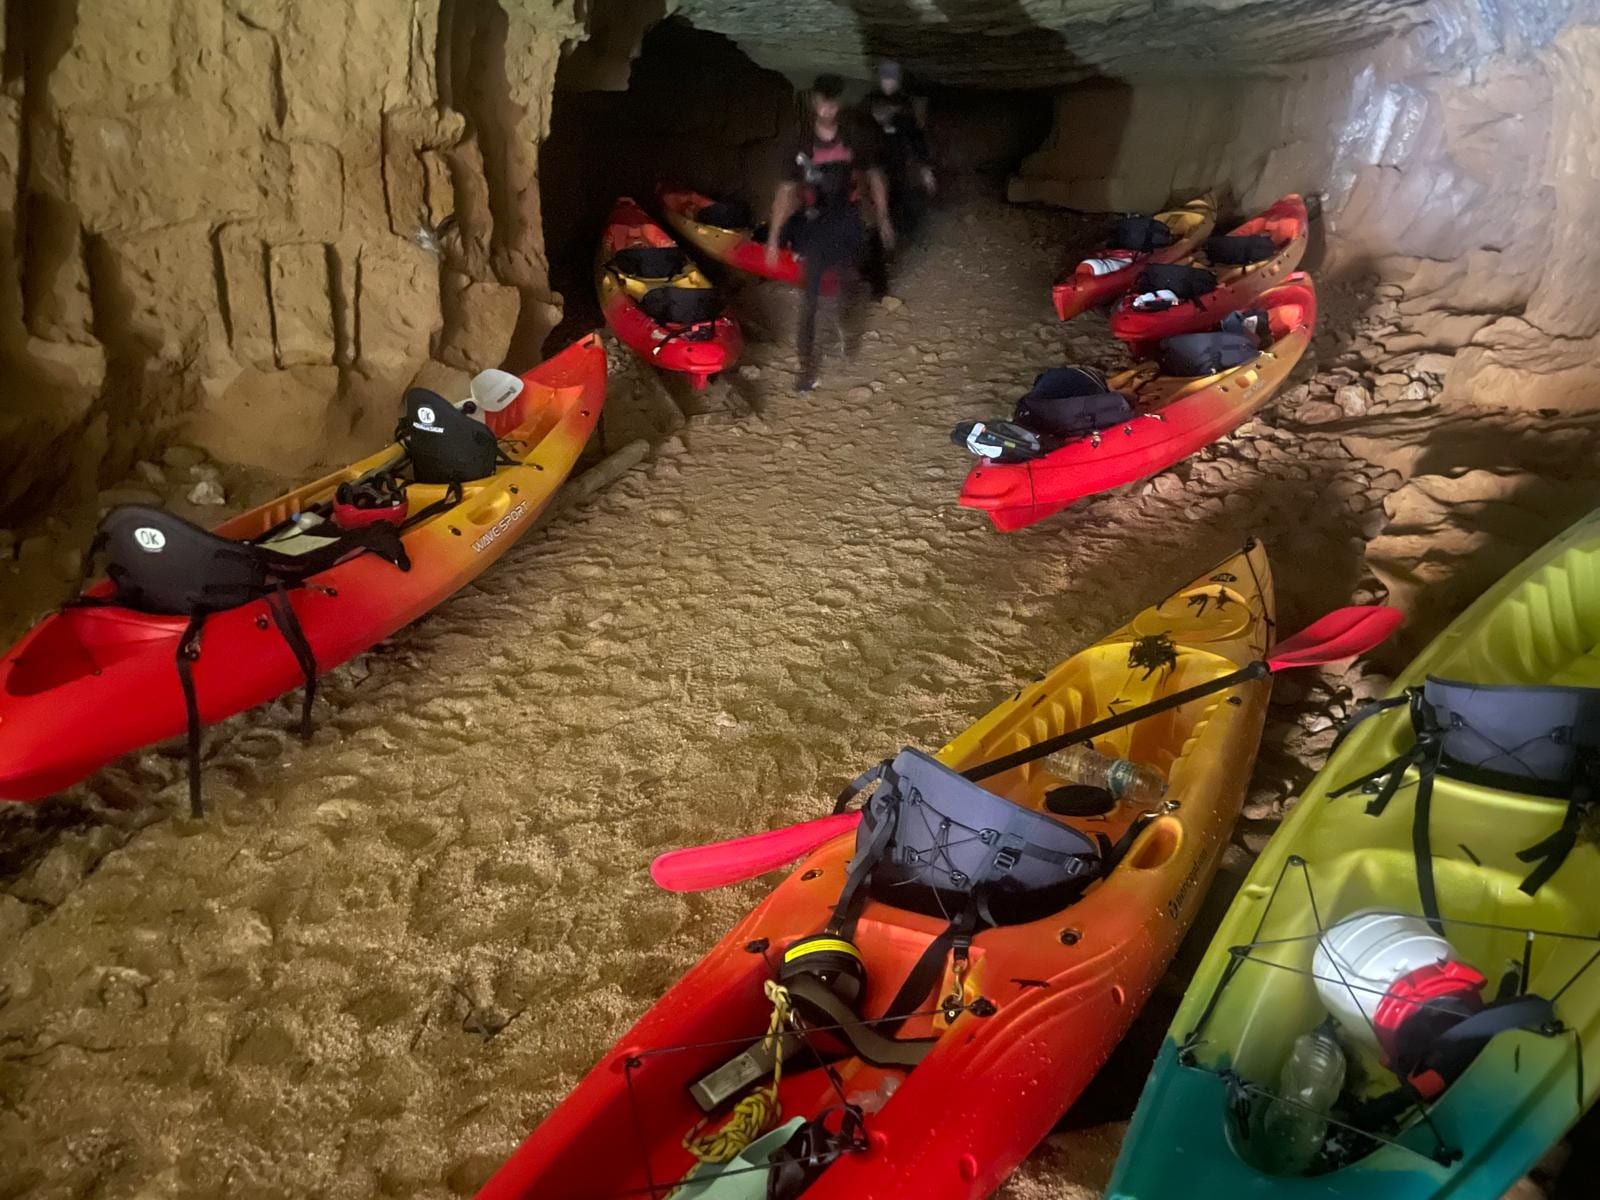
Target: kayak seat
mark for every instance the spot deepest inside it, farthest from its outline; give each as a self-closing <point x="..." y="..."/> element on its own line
<point x="726" y="214"/>
<point x="1239" y="251"/>
<point x="444" y="444"/>
<point x="1072" y="402"/>
<point x="1190" y="355"/>
<point x="159" y="563"/>
<point x="1162" y="286"/>
<point x="668" y="305"/>
<point x="650" y="262"/>
<point x="1141" y="235"/>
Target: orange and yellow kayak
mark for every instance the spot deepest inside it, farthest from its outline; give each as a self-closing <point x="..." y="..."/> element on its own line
<point x="1006" y="1044"/>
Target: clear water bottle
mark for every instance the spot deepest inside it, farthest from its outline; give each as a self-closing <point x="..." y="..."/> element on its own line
<point x="1295" y="1125"/>
<point x="874" y="1100"/>
<point x="1129" y="783"/>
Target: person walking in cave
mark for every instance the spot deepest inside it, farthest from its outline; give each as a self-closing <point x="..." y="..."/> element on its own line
<point x="907" y="167"/>
<point x="820" y="192"/>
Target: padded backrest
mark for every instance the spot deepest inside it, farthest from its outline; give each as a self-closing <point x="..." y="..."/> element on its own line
<point x="160" y="563"/>
<point x="650" y="262"/>
<point x="952" y="838"/>
<point x="444" y="444"/>
<point x="1541" y="736"/>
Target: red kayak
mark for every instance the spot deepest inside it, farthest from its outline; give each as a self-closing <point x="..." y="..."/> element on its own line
<point x="1280" y="232"/>
<point x="1111" y="270"/>
<point x="93" y="682"/>
<point x="658" y="302"/>
<point x="1174" y="417"/>
<point x="725" y="231"/>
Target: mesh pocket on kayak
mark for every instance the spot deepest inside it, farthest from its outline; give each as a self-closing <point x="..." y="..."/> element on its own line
<point x="1240" y="251"/>
<point x="650" y="262"/>
<point x="681" y="306"/>
<point x="726" y="214"/>
<point x="1141" y="235"/>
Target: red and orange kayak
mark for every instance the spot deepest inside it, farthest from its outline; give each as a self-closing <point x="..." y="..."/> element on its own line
<point x="1285" y="223"/>
<point x="699" y="220"/>
<point x="658" y="302"/>
<point x="1098" y="280"/>
<point x="1010" y="1042"/>
<point x="88" y="684"/>
<point x="1175" y="416"/>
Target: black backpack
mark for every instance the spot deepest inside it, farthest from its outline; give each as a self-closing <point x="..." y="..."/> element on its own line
<point x="1191" y="355"/>
<point x="444" y="444"/>
<point x="1072" y="402"/>
<point x="1253" y="323"/>
<point x="159" y="563"/>
<point x="1141" y="235"/>
<point x="1234" y="251"/>
<point x="650" y="262"/>
<point x="1183" y="281"/>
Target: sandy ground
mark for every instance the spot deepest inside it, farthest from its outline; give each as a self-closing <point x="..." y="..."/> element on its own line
<point x="385" y="955"/>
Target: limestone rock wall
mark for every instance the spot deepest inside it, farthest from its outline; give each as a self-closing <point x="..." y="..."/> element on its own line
<point x="1456" y="162"/>
<point x="207" y="212"/>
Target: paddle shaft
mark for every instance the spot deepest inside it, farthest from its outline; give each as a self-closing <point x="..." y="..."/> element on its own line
<point x="1088" y="733"/>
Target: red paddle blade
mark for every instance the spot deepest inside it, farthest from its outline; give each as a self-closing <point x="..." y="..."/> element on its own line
<point x="1343" y="633"/>
<point x="697" y="868"/>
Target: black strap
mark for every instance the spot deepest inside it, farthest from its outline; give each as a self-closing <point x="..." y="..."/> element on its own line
<point x="880" y="1050"/>
<point x="1421" y="841"/>
<point x="283" y="615"/>
<point x="188" y="653"/>
<point x="1552" y="851"/>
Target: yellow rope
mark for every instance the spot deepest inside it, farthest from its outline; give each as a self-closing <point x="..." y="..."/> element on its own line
<point x="756" y="1113"/>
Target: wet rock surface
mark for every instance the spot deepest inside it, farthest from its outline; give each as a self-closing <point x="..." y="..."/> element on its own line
<point x="385" y="955"/>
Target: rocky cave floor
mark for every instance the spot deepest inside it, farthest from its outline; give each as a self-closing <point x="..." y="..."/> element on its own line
<point x="384" y="956"/>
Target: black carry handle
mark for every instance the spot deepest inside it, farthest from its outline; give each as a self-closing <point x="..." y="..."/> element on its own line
<point x="1073" y="737"/>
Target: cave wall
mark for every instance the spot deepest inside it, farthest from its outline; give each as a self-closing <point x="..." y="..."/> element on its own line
<point x="1456" y="161"/>
<point x="211" y="210"/>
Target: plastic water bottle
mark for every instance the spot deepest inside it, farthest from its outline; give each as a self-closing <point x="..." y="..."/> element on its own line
<point x="873" y="1101"/>
<point x="1295" y="1127"/>
<point x="1129" y="783"/>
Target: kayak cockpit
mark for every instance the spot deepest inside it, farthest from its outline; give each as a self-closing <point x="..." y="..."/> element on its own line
<point x="76" y="643"/>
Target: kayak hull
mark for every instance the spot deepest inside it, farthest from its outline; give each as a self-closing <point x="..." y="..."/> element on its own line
<point x="1194" y="413"/>
<point x="87" y="685"/>
<point x="1064" y="988"/>
<point x="1538" y="625"/>
<point x="1286" y="222"/>
<point x="707" y="352"/>
<point x="1082" y="290"/>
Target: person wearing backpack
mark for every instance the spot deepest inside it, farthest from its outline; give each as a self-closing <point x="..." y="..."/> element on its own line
<point x="822" y="183"/>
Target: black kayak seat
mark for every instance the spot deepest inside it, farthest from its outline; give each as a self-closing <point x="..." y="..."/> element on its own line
<point x="1141" y="235"/>
<point x="726" y="214"/>
<point x="650" y="262"/>
<point x="1234" y="251"/>
<point x="668" y="305"/>
<point x="444" y="444"/>
<point x="1183" y="281"/>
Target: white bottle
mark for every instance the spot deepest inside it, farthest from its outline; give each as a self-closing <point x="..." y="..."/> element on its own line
<point x="1129" y="783"/>
<point x="1295" y="1125"/>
